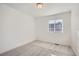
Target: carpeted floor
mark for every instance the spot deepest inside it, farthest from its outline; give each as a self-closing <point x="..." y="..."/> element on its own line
<point x="40" y="48"/>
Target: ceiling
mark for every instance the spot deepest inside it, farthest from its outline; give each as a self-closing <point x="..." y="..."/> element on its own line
<point x="29" y="8"/>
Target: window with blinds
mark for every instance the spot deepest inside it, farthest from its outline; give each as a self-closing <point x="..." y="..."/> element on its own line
<point x="55" y="25"/>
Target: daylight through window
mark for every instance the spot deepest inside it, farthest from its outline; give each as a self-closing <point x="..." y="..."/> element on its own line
<point x="55" y="25"/>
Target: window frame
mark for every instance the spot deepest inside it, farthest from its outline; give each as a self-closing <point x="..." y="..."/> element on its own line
<point x="54" y="23"/>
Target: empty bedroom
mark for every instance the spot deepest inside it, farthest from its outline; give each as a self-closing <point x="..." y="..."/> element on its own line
<point x="39" y="29"/>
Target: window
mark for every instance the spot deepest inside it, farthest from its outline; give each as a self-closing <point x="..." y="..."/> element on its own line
<point x="56" y="25"/>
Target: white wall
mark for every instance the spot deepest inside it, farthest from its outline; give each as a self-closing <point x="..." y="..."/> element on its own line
<point x="16" y="28"/>
<point x="58" y="37"/>
<point x="75" y="29"/>
<point x="74" y="8"/>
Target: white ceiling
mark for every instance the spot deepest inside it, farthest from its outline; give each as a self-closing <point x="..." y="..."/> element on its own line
<point x="29" y="8"/>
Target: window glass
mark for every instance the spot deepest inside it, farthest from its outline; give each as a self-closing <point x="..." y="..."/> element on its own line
<point x="56" y="25"/>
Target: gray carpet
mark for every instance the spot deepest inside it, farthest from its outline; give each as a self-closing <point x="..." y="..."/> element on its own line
<point x="40" y="48"/>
